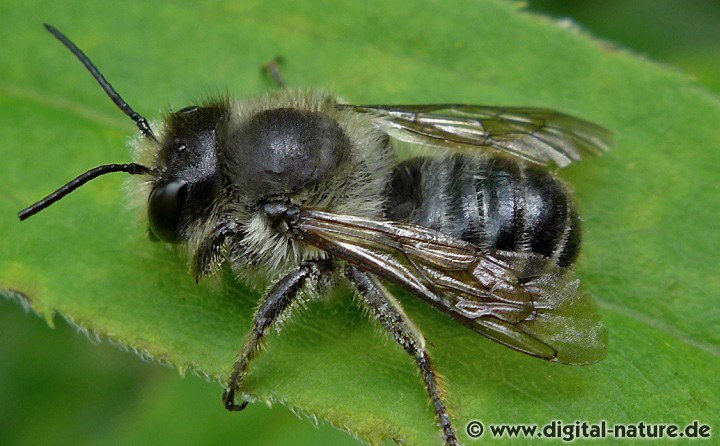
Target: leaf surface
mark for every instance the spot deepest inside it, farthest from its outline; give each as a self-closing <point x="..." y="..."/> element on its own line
<point x="649" y="206"/>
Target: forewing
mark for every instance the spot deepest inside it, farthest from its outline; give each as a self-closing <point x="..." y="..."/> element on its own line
<point x="535" y="134"/>
<point x="521" y="300"/>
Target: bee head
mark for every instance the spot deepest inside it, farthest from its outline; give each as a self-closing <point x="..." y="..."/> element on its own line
<point x="187" y="179"/>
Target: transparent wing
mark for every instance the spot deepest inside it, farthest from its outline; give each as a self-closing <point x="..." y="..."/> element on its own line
<point x="521" y="300"/>
<point x="536" y="134"/>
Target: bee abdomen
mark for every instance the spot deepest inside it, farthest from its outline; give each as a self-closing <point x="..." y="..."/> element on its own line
<point x="490" y="201"/>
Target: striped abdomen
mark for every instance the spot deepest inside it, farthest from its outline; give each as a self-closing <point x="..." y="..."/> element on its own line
<point x="490" y="201"/>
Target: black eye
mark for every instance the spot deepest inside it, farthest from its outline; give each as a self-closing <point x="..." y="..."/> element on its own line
<point x="165" y="209"/>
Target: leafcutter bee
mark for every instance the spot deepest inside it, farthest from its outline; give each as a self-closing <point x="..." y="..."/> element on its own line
<point x="306" y="188"/>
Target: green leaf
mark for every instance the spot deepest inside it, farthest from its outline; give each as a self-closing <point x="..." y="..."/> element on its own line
<point x="649" y="206"/>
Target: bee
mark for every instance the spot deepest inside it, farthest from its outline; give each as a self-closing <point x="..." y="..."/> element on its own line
<point x="302" y="187"/>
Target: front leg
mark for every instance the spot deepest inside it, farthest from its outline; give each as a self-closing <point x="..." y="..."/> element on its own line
<point x="389" y="312"/>
<point x="273" y="304"/>
<point x="209" y="253"/>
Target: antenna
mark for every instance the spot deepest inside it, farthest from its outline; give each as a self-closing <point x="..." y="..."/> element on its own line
<point x="141" y="122"/>
<point x="131" y="168"/>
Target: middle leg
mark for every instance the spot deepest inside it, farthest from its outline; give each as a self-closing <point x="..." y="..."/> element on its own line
<point x="273" y="305"/>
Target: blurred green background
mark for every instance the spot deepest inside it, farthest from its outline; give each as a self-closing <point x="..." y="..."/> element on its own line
<point x="97" y="394"/>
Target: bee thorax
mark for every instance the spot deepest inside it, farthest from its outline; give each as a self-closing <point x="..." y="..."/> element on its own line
<point x="283" y="150"/>
<point x="269" y="242"/>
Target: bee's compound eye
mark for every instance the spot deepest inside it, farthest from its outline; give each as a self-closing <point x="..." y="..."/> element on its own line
<point x="165" y="207"/>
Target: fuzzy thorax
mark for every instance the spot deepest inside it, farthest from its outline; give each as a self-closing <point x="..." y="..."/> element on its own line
<point x="356" y="189"/>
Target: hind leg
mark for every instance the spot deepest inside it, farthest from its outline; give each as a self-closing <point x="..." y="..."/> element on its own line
<point x="391" y="315"/>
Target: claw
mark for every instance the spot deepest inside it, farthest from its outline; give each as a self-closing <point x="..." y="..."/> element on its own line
<point x="229" y="400"/>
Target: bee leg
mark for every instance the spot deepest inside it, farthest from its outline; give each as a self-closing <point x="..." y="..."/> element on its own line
<point x="273" y="305"/>
<point x="208" y="256"/>
<point x="272" y="68"/>
<point x="389" y="312"/>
